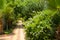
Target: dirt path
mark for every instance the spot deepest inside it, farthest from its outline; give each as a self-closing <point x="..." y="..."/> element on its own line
<point x="19" y="33"/>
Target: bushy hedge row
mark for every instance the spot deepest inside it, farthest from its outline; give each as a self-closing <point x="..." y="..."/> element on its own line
<point x="40" y="26"/>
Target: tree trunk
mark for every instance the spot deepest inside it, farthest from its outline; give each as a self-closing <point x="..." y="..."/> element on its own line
<point x="1" y="26"/>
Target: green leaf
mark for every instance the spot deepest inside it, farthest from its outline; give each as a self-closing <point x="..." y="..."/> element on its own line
<point x="57" y="3"/>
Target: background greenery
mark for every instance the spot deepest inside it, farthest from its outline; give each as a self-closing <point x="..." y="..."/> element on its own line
<point x="41" y="17"/>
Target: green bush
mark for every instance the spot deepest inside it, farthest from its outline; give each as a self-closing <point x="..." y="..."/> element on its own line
<point x="40" y="26"/>
<point x="8" y="17"/>
<point x="56" y="18"/>
<point x="27" y="7"/>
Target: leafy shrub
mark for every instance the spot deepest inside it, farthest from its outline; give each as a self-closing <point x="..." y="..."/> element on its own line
<point x="26" y="8"/>
<point x="40" y="26"/>
<point x="8" y="17"/>
<point x="56" y="18"/>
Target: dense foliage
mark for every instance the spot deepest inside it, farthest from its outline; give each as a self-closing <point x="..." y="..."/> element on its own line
<point x="12" y="10"/>
<point x="41" y="17"/>
<point x="40" y="26"/>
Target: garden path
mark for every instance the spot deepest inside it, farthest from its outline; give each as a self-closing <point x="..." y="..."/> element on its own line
<point x="19" y="33"/>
